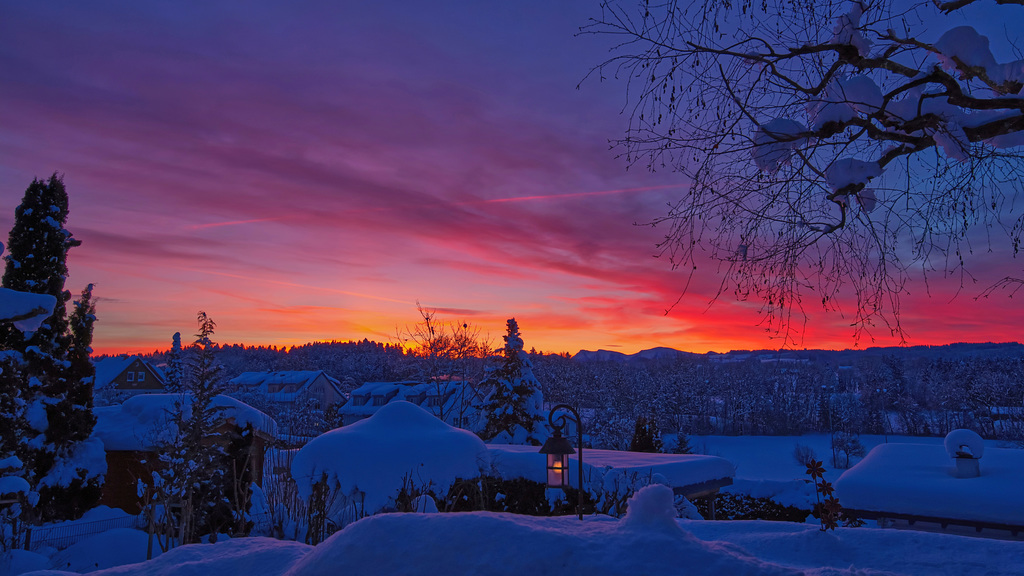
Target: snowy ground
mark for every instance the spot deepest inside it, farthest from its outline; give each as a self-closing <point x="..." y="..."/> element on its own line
<point x="765" y="466"/>
<point x="647" y="541"/>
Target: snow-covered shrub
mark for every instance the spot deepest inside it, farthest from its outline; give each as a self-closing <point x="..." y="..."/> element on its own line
<point x="845" y="446"/>
<point x="512" y="495"/>
<point x="964" y="443"/>
<point x="734" y="506"/>
<point x="686" y="509"/>
<point x="803" y="455"/>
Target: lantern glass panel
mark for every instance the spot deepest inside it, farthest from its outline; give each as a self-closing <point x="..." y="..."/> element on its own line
<point x="558" y="470"/>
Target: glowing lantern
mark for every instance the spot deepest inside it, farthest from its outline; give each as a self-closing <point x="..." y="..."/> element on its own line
<point x="558" y="449"/>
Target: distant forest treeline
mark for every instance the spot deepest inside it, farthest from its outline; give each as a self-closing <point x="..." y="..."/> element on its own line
<point x="916" y="391"/>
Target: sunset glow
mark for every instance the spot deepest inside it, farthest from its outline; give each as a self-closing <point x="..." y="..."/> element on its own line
<point x="311" y="171"/>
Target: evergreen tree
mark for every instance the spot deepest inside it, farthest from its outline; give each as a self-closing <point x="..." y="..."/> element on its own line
<point x="74" y="412"/>
<point x="55" y="374"/>
<point x="514" y="409"/>
<point x="175" y="369"/>
<point x="682" y="445"/>
<point x="202" y="472"/>
<point x="645" y="436"/>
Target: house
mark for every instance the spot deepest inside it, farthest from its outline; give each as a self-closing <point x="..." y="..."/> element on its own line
<point x="454" y="401"/>
<point x="127" y="376"/>
<point x="134" y="432"/>
<point x="290" y="386"/>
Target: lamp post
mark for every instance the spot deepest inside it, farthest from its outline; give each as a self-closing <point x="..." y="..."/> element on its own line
<point x="558" y="448"/>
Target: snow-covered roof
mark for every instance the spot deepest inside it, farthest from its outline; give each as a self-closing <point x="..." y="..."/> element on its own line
<point x="375" y="455"/>
<point x="918" y="479"/>
<point x="359" y="405"/>
<point x="298" y="380"/>
<point x="380" y="388"/>
<point x="296" y="377"/>
<point x="109" y="368"/>
<point x="360" y="402"/>
<point x="143" y="422"/>
<point x="678" y="470"/>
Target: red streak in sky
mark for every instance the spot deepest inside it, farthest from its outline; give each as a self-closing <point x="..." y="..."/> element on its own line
<point x="230" y="223"/>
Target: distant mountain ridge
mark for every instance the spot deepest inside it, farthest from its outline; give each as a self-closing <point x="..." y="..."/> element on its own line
<point x="957" y="350"/>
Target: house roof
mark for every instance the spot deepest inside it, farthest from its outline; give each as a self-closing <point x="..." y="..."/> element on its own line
<point x="142" y="422"/>
<point x="109" y="368"/>
<point x="301" y="379"/>
<point x="407" y="390"/>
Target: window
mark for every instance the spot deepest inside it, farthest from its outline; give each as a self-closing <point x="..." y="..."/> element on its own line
<point x="142" y="375"/>
<point x="131" y="376"/>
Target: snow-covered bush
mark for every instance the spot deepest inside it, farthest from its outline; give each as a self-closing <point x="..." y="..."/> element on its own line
<point x="803" y="455"/>
<point x="734" y="506"/>
<point x="368" y="462"/>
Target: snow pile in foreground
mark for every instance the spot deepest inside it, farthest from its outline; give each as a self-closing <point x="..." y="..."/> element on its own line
<point x="105" y="550"/>
<point x="244" y="556"/>
<point x="647" y="541"/>
<point x="376" y="455"/>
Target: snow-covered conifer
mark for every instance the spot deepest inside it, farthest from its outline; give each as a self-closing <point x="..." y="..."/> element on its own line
<point x="514" y="410"/>
<point x="175" y="368"/>
<point x="55" y="373"/>
<point x="196" y="474"/>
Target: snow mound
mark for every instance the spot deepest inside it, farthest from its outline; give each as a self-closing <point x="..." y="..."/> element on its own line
<point x="964" y="442"/>
<point x="652" y="507"/>
<point x="249" y="556"/>
<point x="509" y="544"/>
<point x="115" y="547"/>
<point x="400" y="443"/>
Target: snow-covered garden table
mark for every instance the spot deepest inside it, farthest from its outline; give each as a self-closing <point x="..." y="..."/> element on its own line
<point x="917" y="483"/>
<point x="690" y="475"/>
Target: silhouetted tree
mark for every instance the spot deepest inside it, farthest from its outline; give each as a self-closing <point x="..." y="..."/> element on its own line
<point x="827" y="148"/>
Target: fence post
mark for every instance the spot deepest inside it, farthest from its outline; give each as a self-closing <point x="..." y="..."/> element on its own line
<point x="149" y="529"/>
<point x="28" y="537"/>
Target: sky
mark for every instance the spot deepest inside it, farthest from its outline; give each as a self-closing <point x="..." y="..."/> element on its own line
<point x="311" y="170"/>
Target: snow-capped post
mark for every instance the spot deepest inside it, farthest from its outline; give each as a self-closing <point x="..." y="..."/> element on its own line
<point x="558" y="448"/>
<point x="966" y="448"/>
